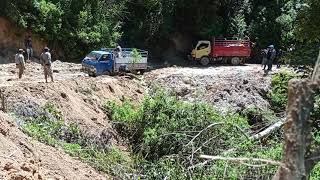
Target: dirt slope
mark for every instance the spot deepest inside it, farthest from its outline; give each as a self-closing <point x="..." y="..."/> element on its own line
<point x="80" y="100"/>
<point x="226" y="87"/>
<point x="24" y="158"/>
<point x="12" y="38"/>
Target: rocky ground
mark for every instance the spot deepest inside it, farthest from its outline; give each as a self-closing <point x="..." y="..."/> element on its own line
<point x="80" y="99"/>
<point x="228" y="88"/>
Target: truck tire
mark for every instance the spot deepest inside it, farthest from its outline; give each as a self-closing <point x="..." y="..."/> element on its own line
<point x="92" y="74"/>
<point x="107" y="73"/>
<point x="235" y="61"/>
<point x="204" y="61"/>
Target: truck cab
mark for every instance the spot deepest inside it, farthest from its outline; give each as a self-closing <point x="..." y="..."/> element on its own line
<point x="98" y="63"/>
<point x="202" y="52"/>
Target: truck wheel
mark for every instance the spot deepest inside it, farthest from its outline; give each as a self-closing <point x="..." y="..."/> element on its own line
<point x="204" y="61"/>
<point x="235" y="61"/>
<point x="92" y="74"/>
<point x="108" y="73"/>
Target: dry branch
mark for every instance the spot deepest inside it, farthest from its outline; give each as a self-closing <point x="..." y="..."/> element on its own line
<point x="242" y="160"/>
<point x="269" y="130"/>
<point x="211" y="125"/>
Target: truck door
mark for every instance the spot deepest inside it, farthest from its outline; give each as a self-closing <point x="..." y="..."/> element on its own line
<point x="203" y="48"/>
<point x="105" y="64"/>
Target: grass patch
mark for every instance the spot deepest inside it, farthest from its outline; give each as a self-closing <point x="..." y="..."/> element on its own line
<point x="52" y="130"/>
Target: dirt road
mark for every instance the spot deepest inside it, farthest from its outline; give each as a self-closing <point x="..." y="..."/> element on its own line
<point x="34" y="73"/>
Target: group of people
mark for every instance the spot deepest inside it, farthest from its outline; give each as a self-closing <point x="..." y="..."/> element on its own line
<point x="269" y="55"/>
<point x="45" y="60"/>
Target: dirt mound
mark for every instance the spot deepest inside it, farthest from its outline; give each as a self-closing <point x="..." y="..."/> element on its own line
<point x="80" y="100"/>
<point x="226" y="87"/>
<point x="23" y="158"/>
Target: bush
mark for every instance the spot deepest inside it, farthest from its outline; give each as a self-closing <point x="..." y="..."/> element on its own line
<point x="163" y="126"/>
<point x="278" y="96"/>
<point x="169" y="135"/>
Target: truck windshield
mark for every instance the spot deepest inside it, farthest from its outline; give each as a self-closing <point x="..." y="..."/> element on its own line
<point x="93" y="55"/>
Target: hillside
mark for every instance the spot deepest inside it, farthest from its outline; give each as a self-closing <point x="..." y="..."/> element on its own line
<point x="80" y="100"/>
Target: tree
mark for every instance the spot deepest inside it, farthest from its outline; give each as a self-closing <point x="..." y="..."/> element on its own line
<point x="301" y="152"/>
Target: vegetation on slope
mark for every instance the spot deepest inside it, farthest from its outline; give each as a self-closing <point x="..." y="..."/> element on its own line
<point x="169" y="135"/>
<point x="51" y="129"/>
<point x="166" y="137"/>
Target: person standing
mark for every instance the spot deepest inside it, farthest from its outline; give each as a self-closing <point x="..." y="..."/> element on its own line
<point x="45" y="59"/>
<point x="20" y="63"/>
<point x="264" y="53"/>
<point x="279" y="58"/>
<point x="28" y="45"/>
<point x="271" y="56"/>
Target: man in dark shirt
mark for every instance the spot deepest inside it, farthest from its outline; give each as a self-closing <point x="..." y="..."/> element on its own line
<point x="28" y="45"/>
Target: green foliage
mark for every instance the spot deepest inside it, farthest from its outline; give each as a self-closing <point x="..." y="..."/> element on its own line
<point x="161" y="125"/>
<point x="315" y="174"/>
<point x="54" y="132"/>
<point x="308" y="22"/>
<point x="278" y="95"/>
<point x="238" y="26"/>
<point x="78" y="26"/>
<point x="167" y="136"/>
<point x="303" y="54"/>
<point x="136" y="57"/>
<point x="73" y="27"/>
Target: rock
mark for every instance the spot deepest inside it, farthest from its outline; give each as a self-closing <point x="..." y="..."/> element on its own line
<point x="139" y="91"/>
<point x="227" y="90"/>
<point x="26" y="167"/>
<point x="13" y="71"/>
<point x="245" y="81"/>
<point x="111" y="88"/>
<point x="8" y="166"/>
<point x="3" y="131"/>
<point x="55" y="71"/>
<point x="9" y="79"/>
<point x="64" y="95"/>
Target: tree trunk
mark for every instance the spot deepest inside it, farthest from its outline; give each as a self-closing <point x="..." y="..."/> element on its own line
<point x="297" y="130"/>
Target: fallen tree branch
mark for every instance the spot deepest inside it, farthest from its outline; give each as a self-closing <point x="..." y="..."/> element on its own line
<point x="211" y="125"/>
<point x="242" y="160"/>
<point x="269" y="130"/>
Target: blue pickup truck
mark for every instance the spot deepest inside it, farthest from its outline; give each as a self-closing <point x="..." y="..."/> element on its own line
<point x="105" y="62"/>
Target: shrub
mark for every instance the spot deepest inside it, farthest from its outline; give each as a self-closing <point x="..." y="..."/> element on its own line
<point x="278" y="95"/>
<point x="162" y="126"/>
<point x="168" y="136"/>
